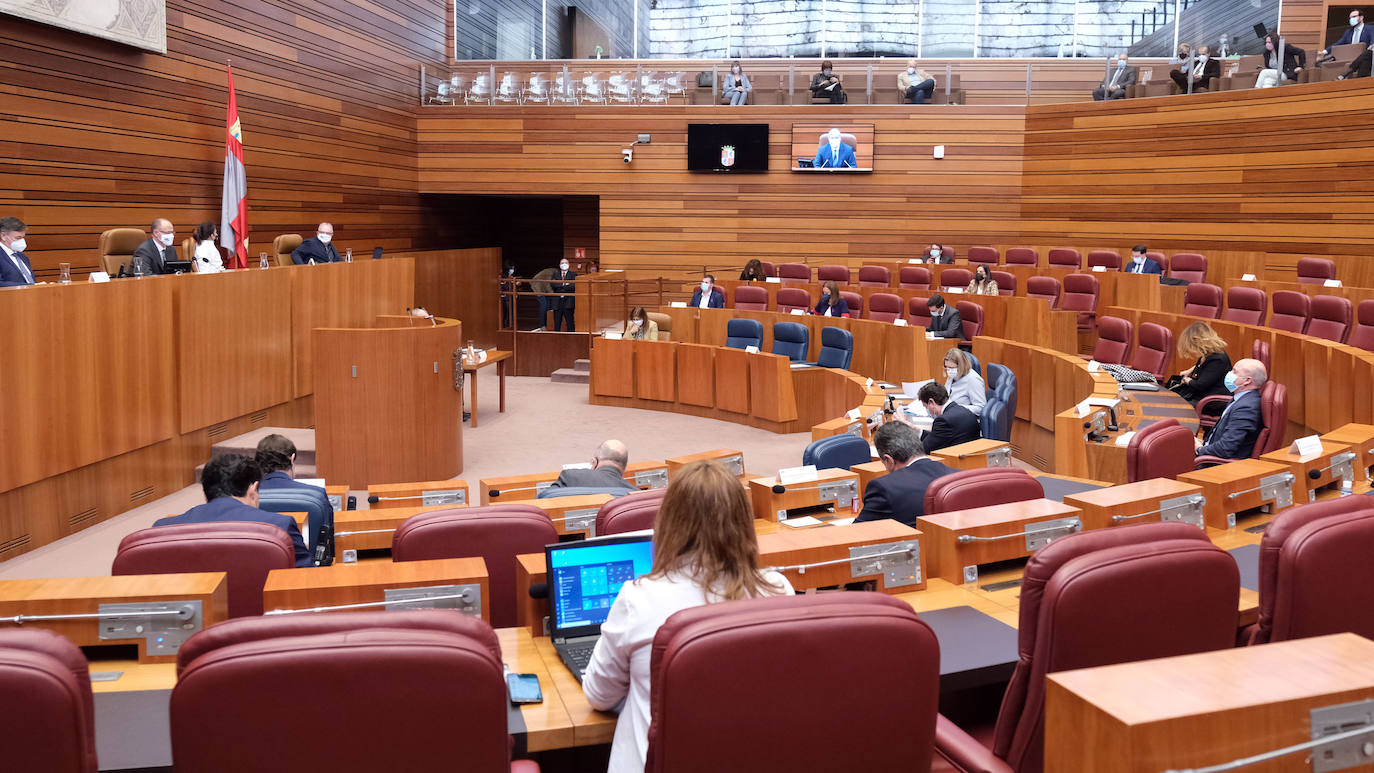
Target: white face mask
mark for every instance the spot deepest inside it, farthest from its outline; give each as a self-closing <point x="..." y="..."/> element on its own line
<point x="1140" y="259"/>
<point x="166" y="239"/>
<point x="911" y="71"/>
<point x="637" y="322"/>
<point x="563" y="266"/>
<point x="735" y="70"/>
<point x="324" y="238"/>
<point x="952" y="372"/>
<point x="935" y="253"/>
<point x="18" y="245"/>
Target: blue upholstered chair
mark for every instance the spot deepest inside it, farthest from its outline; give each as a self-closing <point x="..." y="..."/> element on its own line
<point x="837" y="452"/>
<point x="837" y="348"/>
<point x="791" y="339"/>
<point x="743" y="333"/>
<point x="1001" y="407"/>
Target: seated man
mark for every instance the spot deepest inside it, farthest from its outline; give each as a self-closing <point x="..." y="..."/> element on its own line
<point x="15" y="269"/>
<point x="230" y="483"/>
<point x="1114" y="86"/>
<point x="1142" y="265"/>
<point x="944" y="321"/>
<point x="915" y="85"/>
<point x="1234" y="435"/>
<point x="1359" y="66"/>
<point x="151" y="257"/>
<point x="901" y="493"/>
<point x="835" y="154"/>
<point x="954" y="424"/>
<point x="707" y="296"/>
<point x="276" y="455"/>
<point x="317" y="247"/>
<point x="1205" y="68"/>
<point x="608" y="470"/>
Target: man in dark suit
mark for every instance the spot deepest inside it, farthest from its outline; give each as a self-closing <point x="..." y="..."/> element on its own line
<point x="944" y="321"/>
<point x="954" y="424"/>
<point x="230" y="483"/>
<point x="279" y="493"/>
<point x="1239" y="426"/>
<point x="1359" y="32"/>
<point x="317" y="247"/>
<point x="563" y="305"/>
<point x="1204" y="68"/>
<point x="1142" y="265"/>
<point x="151" y="257"/>
<point x="15" y="269"/>
<point x="1360" y="66"/>
<point x="1113" y="86"/>
<point x="713" y="298"/>
<point x="608" y="470"/>
<point x="901" y="493"/>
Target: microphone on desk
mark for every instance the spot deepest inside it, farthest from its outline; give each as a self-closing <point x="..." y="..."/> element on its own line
<point x="373" y="499"/>
<point x="1314" y="474"/>
<point x="539" y="590"/>
<point x="778" y="488"/>
<point x="494" y="493"/>
<point x="1111" y="421"/>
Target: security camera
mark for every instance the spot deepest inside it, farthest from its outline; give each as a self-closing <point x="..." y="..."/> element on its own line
<point x="629" y="154"/>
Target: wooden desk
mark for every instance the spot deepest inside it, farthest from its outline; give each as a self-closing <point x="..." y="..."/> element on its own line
<point x="1146" y="501"/>
<point x="975" y="455"/>
<point x="787" y="548"/>
<point x="338" y="584"/>
<point x="1360" y="438"/>
<point x="574" y="515"/>
<point x="430" y="493"/>
<point x="1313" y="471"/>
<point x="838" y="486"/>
<point x="494" y="357"/>
<point x="338" y="496"/>
<point x="1241" y="485"/>
<point x="372" y="529"/>
<point x="732" y="459"/>
<point x="956" y="561"/>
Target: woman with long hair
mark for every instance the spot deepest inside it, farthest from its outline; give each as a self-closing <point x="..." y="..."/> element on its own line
<point x="705" y="552"/>
<point x="753" y="271"/>
<point x="1208" y="375"/>
<point x="735" y="90"/>
<point x="832" y="304"/>
<point x="206" y="259"/>
<point x="639" y="327"/>
<point x="982" y="282"/>
<point x="963" y="383"/>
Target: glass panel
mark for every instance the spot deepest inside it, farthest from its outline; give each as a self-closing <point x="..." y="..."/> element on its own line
<point x="552" y="29"/>
<point x="1026" y="29"/>
<point x="696" y="29"/>
<point x="949" y="28"/>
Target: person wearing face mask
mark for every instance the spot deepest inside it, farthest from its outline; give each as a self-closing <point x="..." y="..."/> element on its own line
<point x="1113" y="86"/>
<point x="914" y="84"/>
<point x="1359" y="32"/>
<point x="151" y="256"/>
<point x="1140" y="264"/>
<point x="835" y="153"/>
<point x="706" y="296"/>
<point x="832" y="304"/>
<point x="1294" y="59"/>
<point x="563" y="305"/>
<point x="736" y="89"/>
<point x="207" y="258"/>
<point x="508" y="285"/>
<point x="826" y="85"/>
<point x="1185" y="52"/>
<point x="15" y="268"/>
<point x="936" y="253"/>
<point x="317" y="248"/>
<point x="963" y="383"/>
<point x="1235" y="433"/>
<point x="1203" y="68"/>
<point x="982" y="282"/>
<point x="944" y="321"/>
<point x="639" y="327"/>
<point x="954" y="424"/>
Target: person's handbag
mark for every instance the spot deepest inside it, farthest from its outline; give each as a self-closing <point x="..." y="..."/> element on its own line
<point x="706" y="79"/>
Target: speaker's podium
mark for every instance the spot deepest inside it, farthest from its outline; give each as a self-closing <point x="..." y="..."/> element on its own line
<point x="387" y="406"/>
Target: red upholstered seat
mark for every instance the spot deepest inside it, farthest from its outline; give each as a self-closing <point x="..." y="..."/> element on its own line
<point x="1022" y="256"/>
<point x="1259" y="350"/>
<point x="1331" y="317"/>
<point x="1108" y="259"/>
<point x="981" y="488"/>
<point x="1065" y="257"/>
<point x="735" y="643"/>
<point x="392" y="688"/>
<point x="971" y="314"/>
<point x="751" y="298"/>
<point x="1082" y="606"/>
<point x="983" y="256"/>
<point x="632" y="512"/>
<point x="1202" y="300"/>
<point x="918" y="312"/>
<point x="245" y="551"/>
<point x="833" y="274"/>
<point x="855" y="302"/>
<point x="790" y="298"/>
<point x="956" y="277"/>
<point x="1315" y="271"/>
<point x="1006" y="282"/>
<point x="1291" y="312"/>
<point x="1162" y="450"/>
<point x="1274" y="414"/>
<point x="1046" y="287"/>
<point x="884" y="307"/>
<point x="1246" y="305"/>
<point x="1159" y="258"/>
<point x="768" y="268"/>
<point x="1081" y="293"/>
<point x="1315" y="575"/>
<point x="794" y="271"/>
<point x="1113" y="340"/>
<point x="874" y="276"/>
<point x="914" y="277"/>
<point x="1154" y="346"/>
<point x="45" y="698"/>
<point x="495" y="533"/>
<point x="1189" y="266"/>
<point x="1363" y="335"/>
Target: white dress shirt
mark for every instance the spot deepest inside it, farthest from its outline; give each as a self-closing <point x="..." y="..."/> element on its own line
<point x="207" y="258"/>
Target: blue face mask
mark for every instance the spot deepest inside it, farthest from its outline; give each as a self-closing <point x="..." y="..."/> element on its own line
<point x="1230" y="382"/>
<point x="1121" y="64"/>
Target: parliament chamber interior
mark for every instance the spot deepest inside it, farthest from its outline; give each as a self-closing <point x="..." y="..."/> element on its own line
<point x="632" y="384"/>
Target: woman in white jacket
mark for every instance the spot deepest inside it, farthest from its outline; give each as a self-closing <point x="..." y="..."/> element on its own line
<point x="963" y="383"/>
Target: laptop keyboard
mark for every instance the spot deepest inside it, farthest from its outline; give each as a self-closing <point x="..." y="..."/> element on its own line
<point x="577" y="656"/>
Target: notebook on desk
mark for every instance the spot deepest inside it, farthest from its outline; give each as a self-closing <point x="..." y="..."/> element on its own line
<point x="584" y="579"/>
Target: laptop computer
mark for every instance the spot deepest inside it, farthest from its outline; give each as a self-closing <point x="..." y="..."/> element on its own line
<point x="584" y="578"/>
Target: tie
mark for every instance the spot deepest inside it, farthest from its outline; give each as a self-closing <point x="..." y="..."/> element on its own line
<point x="1197" y="74"/>
<point x="20" y="259"/>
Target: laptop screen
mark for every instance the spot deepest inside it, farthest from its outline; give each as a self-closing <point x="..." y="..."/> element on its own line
<point x="584" y="578"/>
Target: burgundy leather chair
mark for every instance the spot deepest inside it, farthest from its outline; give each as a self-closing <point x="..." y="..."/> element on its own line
<point x="913" y="277"/>
<point x="1259" y="350"/>
<point x="790" y="298"/>
<point x="874" y="276"/>
<point x="1153" y="348"/>
<point x="45" y="697"/>
<point x="1315" y="271"/>
<point x="1202" y="300"/>
<point x="632" y="512"/>
<point x="1046" y="287"/>
<point x="751" y="298"/>
<point x="768" y="268"/>
<point x="838" y="274"/>
<point x="1113" y="340"/>
<point x="1363" y="335"/>
<point x="1109" y="259"/>
<point x="917" y="312"/>
<point x="1162" y="450"/>
<point x="1291" y="311"/>
<point x="1315" y="575"/>
<point x="983" y="256"/>
<point x="1006" y="282"/>
<point x="1065" y="257"/>
<point x="1331" y="317"/>
<point x="957" y="278"/>
<point x="1022" y="256"/>
<point x="735" y="643"/>
<point x="794" y="272"/>
<point x="1082" y="606"/>
<point x="971" y="314"/>
<point x="245" y="551"/>
<point x="391" y="687"/>
<point x="884" y="307"/>
<point x="1081" y="293"/>
<point x="1274" y="414"/>
<point x="981" y="488"/>
<point x="495" y="533"/>
<point x="1159" y="258"/>
<point x="1246" y="305"/>
<point x="855" y="302"/>
<point x="1189" y="266"/>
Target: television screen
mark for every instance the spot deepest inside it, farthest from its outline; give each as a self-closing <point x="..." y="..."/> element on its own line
<point x="727" y="147"/>
<point x="811" y="149"/>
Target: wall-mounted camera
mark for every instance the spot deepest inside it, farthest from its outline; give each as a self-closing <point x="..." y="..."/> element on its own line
<point x="628" y="155"/>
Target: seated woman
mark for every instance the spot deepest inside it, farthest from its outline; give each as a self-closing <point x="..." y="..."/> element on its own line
<point x="982" y="282"/>
<point x="1208" y="375"/>
<point x="831" y="303"/>
<point x="206" y="259"/>
<point x="826" y="85"/>
<point x="639" y="327"/>
<point x="705" y="552"/>
<point x="735" y="90"/>
<point x="753" y="271"/>
<point x="963" y="383"/>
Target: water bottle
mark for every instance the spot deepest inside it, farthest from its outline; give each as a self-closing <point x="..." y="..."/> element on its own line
<point x="262" y="261"/>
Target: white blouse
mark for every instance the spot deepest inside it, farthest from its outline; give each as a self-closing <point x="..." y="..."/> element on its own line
<point x="207" y="258"/>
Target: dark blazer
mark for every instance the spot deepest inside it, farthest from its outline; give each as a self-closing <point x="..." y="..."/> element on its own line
<point x="945" y="258"/>
<point x="228" y="509"/>
<point x="278" y="493"/>
<point x="947" y="325"/>
<point x="562" y="282"/>
<point x="1293" y="58"/>
<point x="1210" y="70"/>
<point x="1209" y="378"/>
<point x="840" y="309"/>
<point x="900" y="494"/>
<point x="1127" y="78"/>
<point x="1359" y="68"/>
<point x="316" y="250"/>
<point x="1151" y="267"/>
<point x="1366" y="36"/>
<point x="152" y="261"/>
<point x="605" y="476"/>
<point x="955" y="424"/>
<point x="1236" y="430"/>
<point x="10" y="275"/>
<point x="717" y="299"/>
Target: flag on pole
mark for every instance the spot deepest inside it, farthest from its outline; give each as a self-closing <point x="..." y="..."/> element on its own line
<point x="233" y="227"/>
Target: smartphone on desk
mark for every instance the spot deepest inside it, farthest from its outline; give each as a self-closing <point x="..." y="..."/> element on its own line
<point x="524" y="688"/>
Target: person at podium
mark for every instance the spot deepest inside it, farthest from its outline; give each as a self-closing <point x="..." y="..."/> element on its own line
<point x="607" y="470"/>
<point x="835" y="153"/>
<point x="901" y="493"/>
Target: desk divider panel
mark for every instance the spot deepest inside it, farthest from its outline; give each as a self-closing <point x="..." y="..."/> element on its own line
<point x="613" y="367"/>
<point x="732" y="380"/>
<point x="655" y="370"/>
<point x="770" y="378"/>
<point x="696" y="371"/>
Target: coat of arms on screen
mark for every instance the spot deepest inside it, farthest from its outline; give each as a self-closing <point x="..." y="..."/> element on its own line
<point x="727" y="155"/>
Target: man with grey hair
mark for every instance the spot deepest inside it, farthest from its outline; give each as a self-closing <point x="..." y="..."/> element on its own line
<point x="1239" y="426"/>
<point x="901" y="493"/>
<point x="151" y="257"/>
<point x="317" y="248"/>
<point x="607" y="470"/>
<point x="1113" y="86"/>
<point x="15" y="269"/>
<point x="834" y="153"/>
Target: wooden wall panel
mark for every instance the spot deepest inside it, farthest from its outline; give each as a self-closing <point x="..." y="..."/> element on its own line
<point x="461" y="284"/>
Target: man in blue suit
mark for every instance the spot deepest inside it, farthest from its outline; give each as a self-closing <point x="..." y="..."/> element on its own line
<point x="901" y="493"/>
<point x="15" y="269"/>
<point x="1239" y="426"/>
<point x="230" y="483"/>
<point x="707" y="296"/>
<point x="1359" y="32"/>
<point x="954" y="424"/>
<point x="1142" y="265"/>
<point x="834" y="154"/>
<point x="279" y="493"/>
<point x="317" y="247"/>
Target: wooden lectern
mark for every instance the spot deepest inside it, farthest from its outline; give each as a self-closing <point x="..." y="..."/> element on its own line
<point x="386" y="407"/>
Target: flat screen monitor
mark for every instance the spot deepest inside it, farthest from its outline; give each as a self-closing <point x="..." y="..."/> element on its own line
<point x="727" y="147"/>
<point x="811" y="148"/>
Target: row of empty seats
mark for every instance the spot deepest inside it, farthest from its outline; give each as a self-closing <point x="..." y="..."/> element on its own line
<point x="1329" y="317"/>
<point x="561" y="88"/>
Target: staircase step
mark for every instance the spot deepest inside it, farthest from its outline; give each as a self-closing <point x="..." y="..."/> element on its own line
<point x="570" y="376"/>
<point x="584" y="366"/>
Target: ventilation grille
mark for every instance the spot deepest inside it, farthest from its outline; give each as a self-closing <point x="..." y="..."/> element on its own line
<point x="258" y="419"/>
<point x="84" y="518"/>
<point x="142" y="496"/>
<point x="218" y="431"/>
<point x="14" y="547"/>
<point x="1041" y="462"/>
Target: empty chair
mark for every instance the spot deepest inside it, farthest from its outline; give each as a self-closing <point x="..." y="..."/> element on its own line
<point x="245" y="551"/>
<point x="794" y="272"/>
<point x="479" y="91"/>
<point x="392" y="687"/>
<point x="1315" y="271"/>
<point x="593" y="88"/>
<point x="632" y="512"/>
<point x="1259" y="350"/>
<point x="983" y="256"/>
<point x="1082" y="606"/>
<point x="1363" y="335"/>
<point x="1113" y="340"/>
<point x="1159" y="258"/>
<point x="1046" y="287"/>
<point x="958" y="278"/>
<point x="971" y="315"/>
<point x="790" y="298"/>
<point x="833" y="274"/>
<point x="1162" y="450"/>
<point x="282" y="247"/>
<point x="768" y="268"/>
<point x="1081" y="293"/>
<point x="743" y="333"/>
<point x="1000" y="409"/>
<point x="537" y="90"/>
<point x="874" y="276"/>
<point x="918" y="312"/>
<point x="751" y="298"/>
<point x="1202" y="300"/>
<point x="1246" y="305"/>
<point x="913" y="277"/>
<point x="837" y="348"/>
<point x="1065" y="257"/>
<point x="792" y="340"/>
<point x="1022" y="256"/>
<point x="1331" y="316"/>
<point x="1153" y="349"/>
<point x="1006" y="282"/>
<point x="722" y="644"/>
<point x="1315" y="576"/>
<point x="855" y="302"/>
<point x="1291" y="311"/>
<point x="508" y="90"/>
<point x="1188" y="266"/>
<point x="884" y="307"/>
<point x="494" y="533"/>
<point x="45" y="695"/>
<point x="1274" y="415"/>
<point x="837" y="452"/>
<point x="1108" y="259"/>
<point x="117" y="247"/>
<point x="981" y="488"/>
